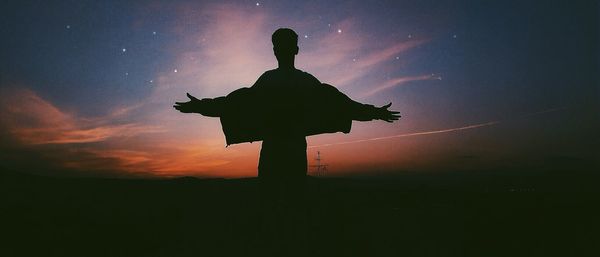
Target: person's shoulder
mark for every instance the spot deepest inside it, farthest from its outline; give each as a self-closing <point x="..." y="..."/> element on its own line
<point x="304" y="73"/>
<point x="308" y="76"/>
<point x="264" y="78"/>
<point x="268" y="73"/>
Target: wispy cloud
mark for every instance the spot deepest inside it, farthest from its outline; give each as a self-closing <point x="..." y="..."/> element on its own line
<point x="347" y="57"/>
<point x="50" y="135"/>
<point x="228" y="48"/>
<point x="390" y="52"/>
<point x="398" y="82"/>
<point x="33" y="120"/>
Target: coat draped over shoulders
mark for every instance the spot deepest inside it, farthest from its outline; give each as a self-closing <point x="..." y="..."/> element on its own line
<point x="256" y="113"/>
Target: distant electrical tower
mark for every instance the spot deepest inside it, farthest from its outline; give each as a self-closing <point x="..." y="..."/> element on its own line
<point x="319" y="169"/>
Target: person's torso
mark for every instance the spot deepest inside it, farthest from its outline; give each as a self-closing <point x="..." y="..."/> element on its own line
<point x="285" y="95"/>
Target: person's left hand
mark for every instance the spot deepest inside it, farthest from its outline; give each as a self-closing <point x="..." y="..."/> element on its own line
<point x="384" y="114"/>
<point x="192" y="106"/>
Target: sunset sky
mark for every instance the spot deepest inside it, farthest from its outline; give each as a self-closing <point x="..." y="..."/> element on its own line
<point x="87" y="87"/>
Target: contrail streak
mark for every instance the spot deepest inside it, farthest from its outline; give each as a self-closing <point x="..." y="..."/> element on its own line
<point x="422" y="133"/>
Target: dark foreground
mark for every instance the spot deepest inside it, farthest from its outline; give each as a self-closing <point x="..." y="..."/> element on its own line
<point x="411" y="215"/>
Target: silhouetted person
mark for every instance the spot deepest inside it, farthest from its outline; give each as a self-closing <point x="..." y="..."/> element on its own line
<point x="283" y="107"/>
<point x="277" y="109"/>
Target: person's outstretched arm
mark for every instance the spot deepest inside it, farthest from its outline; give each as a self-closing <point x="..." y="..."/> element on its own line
<point x="367" y="112"/>
<point x="358" y="111"/>
<point x="211" y="107"/>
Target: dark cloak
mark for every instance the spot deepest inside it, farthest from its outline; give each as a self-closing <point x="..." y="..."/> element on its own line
<point x="250" y="114"/>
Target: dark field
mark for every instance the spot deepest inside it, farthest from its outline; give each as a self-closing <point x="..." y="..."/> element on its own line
<point x="542" y="214"/>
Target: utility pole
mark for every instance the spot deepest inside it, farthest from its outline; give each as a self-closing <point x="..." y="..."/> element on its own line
<point x="319" y="169"/>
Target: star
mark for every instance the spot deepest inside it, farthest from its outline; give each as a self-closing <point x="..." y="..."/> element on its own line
<point x="126" y="73"/>
<point x="409" y="35"/>
<point x="257" y="4"/>
<point x="68" y="26"/>
<point x="397" y="57"/>
<point x="151" y="81"/>
<point x="153" y="32"/>
<point x="454" y="36"/>
<point x="305" y="36"/>
<point x="354" y="59"/>
<point x="339" y="31"/>
<point x="124" y="50"/>
<point x="175" y="70"/>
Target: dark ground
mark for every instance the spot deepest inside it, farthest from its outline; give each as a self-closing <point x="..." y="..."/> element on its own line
<point x="542" y="214"/>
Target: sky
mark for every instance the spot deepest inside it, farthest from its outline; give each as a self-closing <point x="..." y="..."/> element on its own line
<point x="87" y="87"/>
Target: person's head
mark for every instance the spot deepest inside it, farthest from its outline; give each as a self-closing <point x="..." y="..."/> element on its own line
<point x="285" y="44"/>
